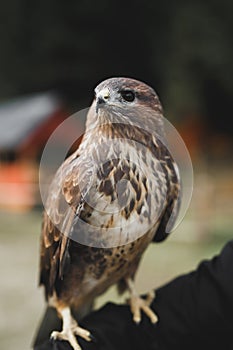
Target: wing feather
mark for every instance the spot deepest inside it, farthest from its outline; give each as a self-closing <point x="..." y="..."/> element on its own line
<point x="61" y="209"/>
<point x="173" y="197"/>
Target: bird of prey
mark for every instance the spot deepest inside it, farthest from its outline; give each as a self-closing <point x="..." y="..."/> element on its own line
<point x="111" y="198"/>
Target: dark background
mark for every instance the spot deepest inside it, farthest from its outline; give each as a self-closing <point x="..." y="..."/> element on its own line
<point x="182" y="48"/>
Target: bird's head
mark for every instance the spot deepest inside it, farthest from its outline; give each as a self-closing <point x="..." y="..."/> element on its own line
<point x="125" y="100"/>
<point x="125" y="93"/>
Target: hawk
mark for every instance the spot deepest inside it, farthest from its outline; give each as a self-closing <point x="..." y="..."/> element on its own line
<point x="118" y="192"/>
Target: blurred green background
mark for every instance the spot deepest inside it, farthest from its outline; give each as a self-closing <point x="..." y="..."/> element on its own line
<point x="52" y="48"/>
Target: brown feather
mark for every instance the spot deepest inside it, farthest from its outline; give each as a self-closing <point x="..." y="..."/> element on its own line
<point x="93" y="178"/>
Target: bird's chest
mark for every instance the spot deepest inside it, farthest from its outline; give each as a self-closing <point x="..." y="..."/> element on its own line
<point x="126" y="196"/>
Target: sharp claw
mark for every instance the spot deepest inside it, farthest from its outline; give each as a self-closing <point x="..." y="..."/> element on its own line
<point x="52" y="340"/>
<point x="91" y="336"/>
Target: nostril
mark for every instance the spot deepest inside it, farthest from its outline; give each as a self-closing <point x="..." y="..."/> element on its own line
<point x="101" y="100"/>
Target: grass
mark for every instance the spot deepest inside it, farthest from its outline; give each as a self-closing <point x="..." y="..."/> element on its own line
<point x="21" y="301"/>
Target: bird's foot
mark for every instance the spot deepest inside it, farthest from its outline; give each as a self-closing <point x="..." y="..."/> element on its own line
<point x="70" y="336"/>
<point x="137" y="304"/>
<point x="70" y="330"/>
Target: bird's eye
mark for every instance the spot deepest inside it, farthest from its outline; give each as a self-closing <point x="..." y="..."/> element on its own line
<point x="128" y="95"/>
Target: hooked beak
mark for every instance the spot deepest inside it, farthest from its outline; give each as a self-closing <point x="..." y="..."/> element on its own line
<point x="101" y="98"/>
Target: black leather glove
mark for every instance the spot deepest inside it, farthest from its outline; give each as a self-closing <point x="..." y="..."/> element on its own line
<point x="195" y="312"/>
